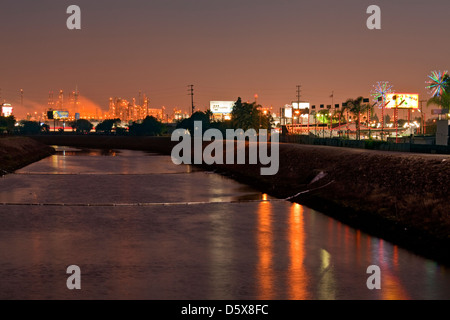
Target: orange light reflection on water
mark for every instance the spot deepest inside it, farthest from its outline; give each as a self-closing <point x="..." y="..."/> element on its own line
<point x="297" y="277"/>
<point x="265" y="250"/>
<point x="391" y="286"/>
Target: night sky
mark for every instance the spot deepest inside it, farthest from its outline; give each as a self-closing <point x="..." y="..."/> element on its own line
<point x="225" y="48"/>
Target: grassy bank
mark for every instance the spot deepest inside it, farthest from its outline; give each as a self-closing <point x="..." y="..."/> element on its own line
<point x="401" y="197"/>
<point x="17" y="152"/>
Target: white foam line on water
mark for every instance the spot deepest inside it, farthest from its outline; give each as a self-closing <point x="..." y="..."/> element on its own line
<point x="136" y="204"/>
<point x="307" y="191"/>
<point x="143" y="204"/>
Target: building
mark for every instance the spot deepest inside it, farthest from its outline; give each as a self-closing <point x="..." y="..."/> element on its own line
<point x="6" y="110"/>
<point x="132" y="111"/>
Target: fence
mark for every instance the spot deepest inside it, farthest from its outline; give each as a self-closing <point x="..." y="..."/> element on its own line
<point x="417" y="145"/>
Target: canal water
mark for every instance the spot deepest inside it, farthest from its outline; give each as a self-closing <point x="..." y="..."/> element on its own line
<point x="140" y="227"/>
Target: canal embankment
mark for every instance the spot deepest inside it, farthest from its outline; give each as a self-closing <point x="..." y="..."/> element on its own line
<point x="17" y="152"/>
<point x="400" y="197"/>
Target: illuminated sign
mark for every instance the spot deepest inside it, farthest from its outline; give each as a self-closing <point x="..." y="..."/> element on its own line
<point x="402" y="101"/>
<point x="288" y="112"/>
<point x="301" y="105"/>
<point x="6" y="110"/>
<point x="222" y="107"/>
<point x="60" y="114"/>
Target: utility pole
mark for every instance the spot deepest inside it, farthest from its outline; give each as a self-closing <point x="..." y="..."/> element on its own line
<point x="298" y="102"/>
<point x="422" y="124"/>
<point x="191" y="90"/>
<point x="330" y="117"/>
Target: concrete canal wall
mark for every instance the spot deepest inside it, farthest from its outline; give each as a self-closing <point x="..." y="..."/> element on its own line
<point x="401" y="197"/>
<point x="17" y="152"/>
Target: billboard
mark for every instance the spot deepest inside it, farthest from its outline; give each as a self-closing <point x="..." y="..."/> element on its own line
<point x="287" y="112"/>
<point x="222" y="107"/>
<point x="6" y="110"/>
<point x="402" y="101"/>
<point x="301" y="105"/>
<point x="60" y="114"/>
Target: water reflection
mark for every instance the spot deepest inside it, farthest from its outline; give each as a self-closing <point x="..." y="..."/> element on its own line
<point x="392" y="288"/>
<point x="182" y="244"/>
<point x="297" y="276"/>
<point x="221" y="254"/>
<point x="327" y="285"/>
<point x="70" y="151"/>
<point x="265" y="251"/>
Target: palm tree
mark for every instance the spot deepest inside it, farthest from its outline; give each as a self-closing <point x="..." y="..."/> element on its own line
<point x="339" y="117"/>
<point x="357" y="107"/>
<point x="209" y="114"/>
<point x="442" y="100"/>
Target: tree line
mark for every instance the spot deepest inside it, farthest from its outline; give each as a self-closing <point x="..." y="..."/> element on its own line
<point x="245" y="115"/>
<point x="150" y="126"/>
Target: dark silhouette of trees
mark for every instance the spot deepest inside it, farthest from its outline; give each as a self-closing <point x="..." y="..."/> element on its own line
<point x="82" y="126"/>
<point x="244" y="116"/>
<point x="29" y="127"/>
<point x="45" y="128"/>
<point x="150" y="126"/>
<point x="107" y="126"/>
<point x="7" y="124"/>
<point x="249" y="116"/>
<point x="188" y="124"/>
<point x="206" y="118"/>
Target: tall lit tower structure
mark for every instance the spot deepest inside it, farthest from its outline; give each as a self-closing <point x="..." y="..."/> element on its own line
<point x="51" y="102"/>
<point x="112" y="108"/>
<point x="76" y="94"/>
<point x="21" y="98"/>
<point x="61" y="99"/>
<point x="146" y="102"/>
